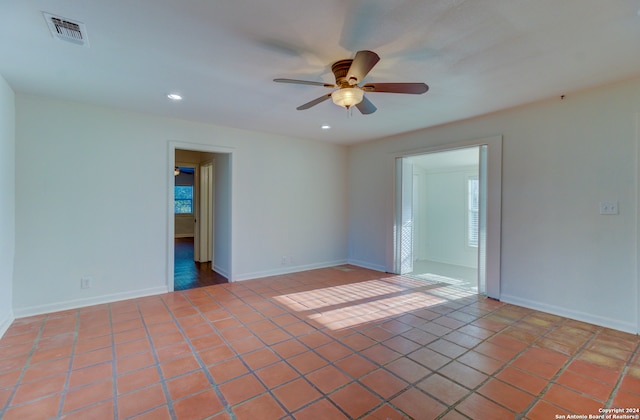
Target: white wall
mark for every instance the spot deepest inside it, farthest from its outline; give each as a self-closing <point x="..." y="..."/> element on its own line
<point x="288" y="199"/>
<point x="560" y="159"/>
<point x="7" y="203"/>
<point x="442" y="218"/>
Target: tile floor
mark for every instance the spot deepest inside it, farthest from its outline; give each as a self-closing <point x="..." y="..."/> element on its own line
<point x="333" y="343"/>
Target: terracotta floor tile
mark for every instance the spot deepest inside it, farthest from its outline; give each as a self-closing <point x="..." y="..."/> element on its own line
<point x="45" y="369"/>
<point x="443" y="389"/>
<point x="92" y="358"/>
<point x="38" y="409"/>
<point x="276" y="374"/>
<point x="163" y="340"/>
<point x="571" y="400"/>
<point x="601" y="360"/>
<point x="241" y="389"/>
<point x="551" y="357"/>
<point x="247" y="344"/>
<point x="542" y="410"/>
<point x="38" y="389"/>
<point x="463" y="374"/>
<point x="386" y="412"/>
<point x="593" y="371"/>
<point x="355" y="400"/>
<point x="307" y="362"/>
<point x="272" y="337"/>
<point x="535" y="366"/>
<point x="90" y="374"/>
<point x="198" y="406"/>
<point x="328" y="378"/>
<point x="87" y="395"/>
<point x="160" y="413"/>
<point x="522" y="380"/>
<point x="585" y="385"/>
<point x="289" y="348"/>
<point x="418" y="405"/>
<point x="263" y="406"/>
<point x="179" y="366"/>
<point x="378" y="334"/>
<point x="260" y="358"/>
<point x="333" y="351"/>
<point x="447" y="348"/>
<point x="323" y="409"/>
<point x="429" y="358"/>
<point x="137" y="379"/>
<point x="198" y="330"/>
<point x="381" y="354"/>
<point x="191" y="383"/>
<point x="142" y="400"/>
<point x="206" y="342"/>
<point x="629" y="383"/>
<point x="228" y="369"/>
<point x="103" y="410"/>
<point x="476" y="406"/>
<point x="49" y="354"/>
<point x="296" y="394"/>
<point x="480" y="362"/>
<point x="408" y="370"/>
<point x="506" y="395"/>
<point x="356" y="365"/>
<point x="383" y="383"/>
<point x="132" y="347"/>
<point x="216" y="355"/>
<point x="315" y="339"/>
<point x="237" y="333"/>
<point x="624" y="399"/>
<point x="461" y="339"/>
<point x="401" y="344"/>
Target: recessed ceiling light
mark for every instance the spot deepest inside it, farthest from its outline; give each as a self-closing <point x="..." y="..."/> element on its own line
<point x="325" y="127"/>
<point x="174" y="97"/>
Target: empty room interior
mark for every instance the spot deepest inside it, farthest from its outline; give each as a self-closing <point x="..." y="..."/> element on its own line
<point x="396" y="209"/>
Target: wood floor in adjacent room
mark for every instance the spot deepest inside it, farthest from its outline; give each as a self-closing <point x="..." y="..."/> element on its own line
<point x="188" y="274"/>
<point x="332" y="343"/>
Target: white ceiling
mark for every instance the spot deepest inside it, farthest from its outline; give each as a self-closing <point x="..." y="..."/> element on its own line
<point x="477" y="56"/>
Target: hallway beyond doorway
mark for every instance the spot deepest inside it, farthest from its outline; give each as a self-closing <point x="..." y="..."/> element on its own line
<point x="189" y="274"/>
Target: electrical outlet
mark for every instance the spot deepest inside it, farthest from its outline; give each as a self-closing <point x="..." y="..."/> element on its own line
<point x="85" y="282"/>
<point x="608" y="207"/>
<point x="283" y="261"/>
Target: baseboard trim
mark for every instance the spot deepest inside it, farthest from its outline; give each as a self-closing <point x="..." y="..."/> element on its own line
<point x="220" y="271"/>
<point x="287" y="270"/>
<point x="80" y="303"/>
<point x="5" y="323"/>
<point x="364" y="264"/>
<point x="568" y="313"/>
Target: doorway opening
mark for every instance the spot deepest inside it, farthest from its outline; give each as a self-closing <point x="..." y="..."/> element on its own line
<point x="447" y="229"/>
<point x="199" y="243"/>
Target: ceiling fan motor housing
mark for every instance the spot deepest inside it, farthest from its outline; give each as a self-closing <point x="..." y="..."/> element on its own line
<point x="340" y="70"/>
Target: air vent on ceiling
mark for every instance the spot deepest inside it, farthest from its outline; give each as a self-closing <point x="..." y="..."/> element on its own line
<point x="67" y="30"/>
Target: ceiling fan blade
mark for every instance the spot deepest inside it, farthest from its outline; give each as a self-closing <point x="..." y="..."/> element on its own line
<point x="314" y="102"/>
<point x="304" y="82"/>
<point x="366" y="107"/>
<point x="361" y="66"/>
<point x="412" y="88"/>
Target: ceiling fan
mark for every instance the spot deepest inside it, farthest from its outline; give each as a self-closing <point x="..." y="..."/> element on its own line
<point x="349" y="74"/>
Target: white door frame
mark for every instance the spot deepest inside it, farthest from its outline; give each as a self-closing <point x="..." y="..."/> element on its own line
<point x="170" y="245"/>
<point x="493" y="206"/>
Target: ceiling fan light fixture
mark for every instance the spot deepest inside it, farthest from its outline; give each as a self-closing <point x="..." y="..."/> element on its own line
<point x="347" y="97"/>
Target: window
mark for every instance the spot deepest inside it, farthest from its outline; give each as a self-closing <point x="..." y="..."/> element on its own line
<point x="473" y="205"/>
<point x="183" y="199"/>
